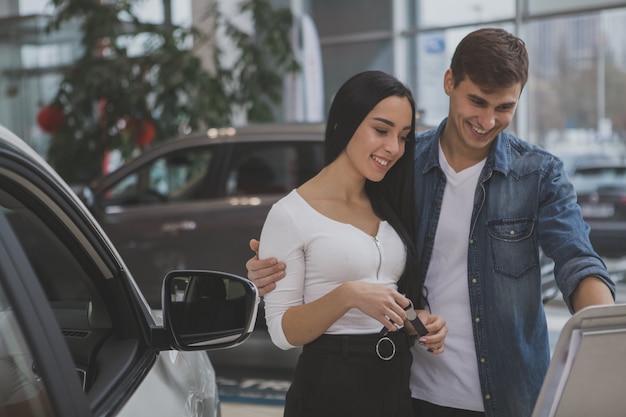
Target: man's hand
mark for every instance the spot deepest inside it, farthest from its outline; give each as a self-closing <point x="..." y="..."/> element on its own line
<point x="264" y="272"/>
<point x="437" y="331"/>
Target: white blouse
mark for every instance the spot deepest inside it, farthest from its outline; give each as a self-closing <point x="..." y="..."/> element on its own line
<point x="320" y="254"/>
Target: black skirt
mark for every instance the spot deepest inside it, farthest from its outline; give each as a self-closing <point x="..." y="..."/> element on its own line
<point x="352" y="375"/>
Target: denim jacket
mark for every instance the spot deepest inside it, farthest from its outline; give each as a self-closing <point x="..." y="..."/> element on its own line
<point x="523" y="200"/>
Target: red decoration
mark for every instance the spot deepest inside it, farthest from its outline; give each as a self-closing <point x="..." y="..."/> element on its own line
<point x="50" y="118"/>
<point x="143" y="132"/>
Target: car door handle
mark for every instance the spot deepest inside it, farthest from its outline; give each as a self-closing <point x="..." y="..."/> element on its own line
<point x="175" y="227"/>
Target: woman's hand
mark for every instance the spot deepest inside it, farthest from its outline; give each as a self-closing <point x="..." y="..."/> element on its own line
<point x="379" y="302"/>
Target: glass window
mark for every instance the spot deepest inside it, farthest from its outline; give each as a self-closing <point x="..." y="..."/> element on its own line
<point x="578" y="83"/>
<point x="271" y="168"/>
<point x="22" y="392"/>
<point x="28" y="7"/>
<point x="453" y="12"/>
<point x="179" y="176"/>
<point x="43" y="241"/>
<point x="564" y="6"/>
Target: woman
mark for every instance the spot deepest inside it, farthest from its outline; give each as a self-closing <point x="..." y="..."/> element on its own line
<point x="346" y="237"/>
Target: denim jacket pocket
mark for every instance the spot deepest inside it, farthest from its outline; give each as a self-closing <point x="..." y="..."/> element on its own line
<point x="512" y="246"/>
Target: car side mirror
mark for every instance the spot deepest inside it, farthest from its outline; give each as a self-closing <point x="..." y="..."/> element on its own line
<point x="207" y="309"/>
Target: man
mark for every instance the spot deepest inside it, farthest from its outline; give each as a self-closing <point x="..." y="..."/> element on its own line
<point x="486" y="202"/>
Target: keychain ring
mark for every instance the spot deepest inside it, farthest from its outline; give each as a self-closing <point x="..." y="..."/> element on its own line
<point x="393" y="348"/>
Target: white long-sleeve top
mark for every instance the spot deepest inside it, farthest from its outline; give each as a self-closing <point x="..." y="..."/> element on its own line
<point x="320" y="254"/>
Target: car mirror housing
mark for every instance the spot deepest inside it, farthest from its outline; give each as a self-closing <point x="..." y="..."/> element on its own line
<point x="205" y="310"/>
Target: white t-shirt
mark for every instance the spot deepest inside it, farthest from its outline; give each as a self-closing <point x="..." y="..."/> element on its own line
<point x="320" y="254"/>
<point x="451" y="379"/>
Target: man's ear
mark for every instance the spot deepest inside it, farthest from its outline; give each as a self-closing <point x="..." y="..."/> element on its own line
<point x="448" y="81"/>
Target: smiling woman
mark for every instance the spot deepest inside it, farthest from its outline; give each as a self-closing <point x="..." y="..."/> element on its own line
<point x="346" y="239"/>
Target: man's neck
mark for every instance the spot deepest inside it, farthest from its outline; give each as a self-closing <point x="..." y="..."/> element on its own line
<point x="460" y="159"/>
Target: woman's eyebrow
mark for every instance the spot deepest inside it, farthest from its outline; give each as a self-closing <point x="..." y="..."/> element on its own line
<point x="390" y="123"/>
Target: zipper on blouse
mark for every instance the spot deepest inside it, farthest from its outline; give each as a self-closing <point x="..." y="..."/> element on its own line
<point x="380" y="255"/>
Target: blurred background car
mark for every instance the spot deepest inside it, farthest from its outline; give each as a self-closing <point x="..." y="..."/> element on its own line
<point x="574" y="160"/>
<point x="601" y="193"/>
<point x="77" y="335"/>
<point x="197" y="200"/>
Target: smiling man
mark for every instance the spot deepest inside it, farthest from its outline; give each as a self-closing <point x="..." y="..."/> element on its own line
<point x="489" y="200"/>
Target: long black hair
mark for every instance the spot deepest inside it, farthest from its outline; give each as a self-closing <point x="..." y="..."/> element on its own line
<point x="392" y="198"/>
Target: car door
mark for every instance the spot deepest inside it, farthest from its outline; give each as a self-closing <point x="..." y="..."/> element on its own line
<point x="81" y="317"/>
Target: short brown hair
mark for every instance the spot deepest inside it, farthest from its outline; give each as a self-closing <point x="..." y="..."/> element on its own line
<point x="492" y="58"/>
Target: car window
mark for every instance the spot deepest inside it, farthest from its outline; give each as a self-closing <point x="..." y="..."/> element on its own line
<point x="272" y="167"/>
<point x="59" y="273"/>
<point x="591" y="178"/>
<point x="178" y="176"/>
<point x="22" y="393"/>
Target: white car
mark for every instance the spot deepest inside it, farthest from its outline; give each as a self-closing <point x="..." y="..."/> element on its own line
<point x="77" y="337"/>
<point x="587" y="371"/>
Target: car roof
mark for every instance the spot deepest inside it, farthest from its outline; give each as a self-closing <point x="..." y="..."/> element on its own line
<point x="267" y="132"/>
<point x="258" y="132"/>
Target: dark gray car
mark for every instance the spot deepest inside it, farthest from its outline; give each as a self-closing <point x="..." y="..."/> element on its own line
<point x="601" y="193"/>
<point x="196" y="201"/>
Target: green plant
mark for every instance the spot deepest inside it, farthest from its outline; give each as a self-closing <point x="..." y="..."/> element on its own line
<point x="110" y="96"/>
